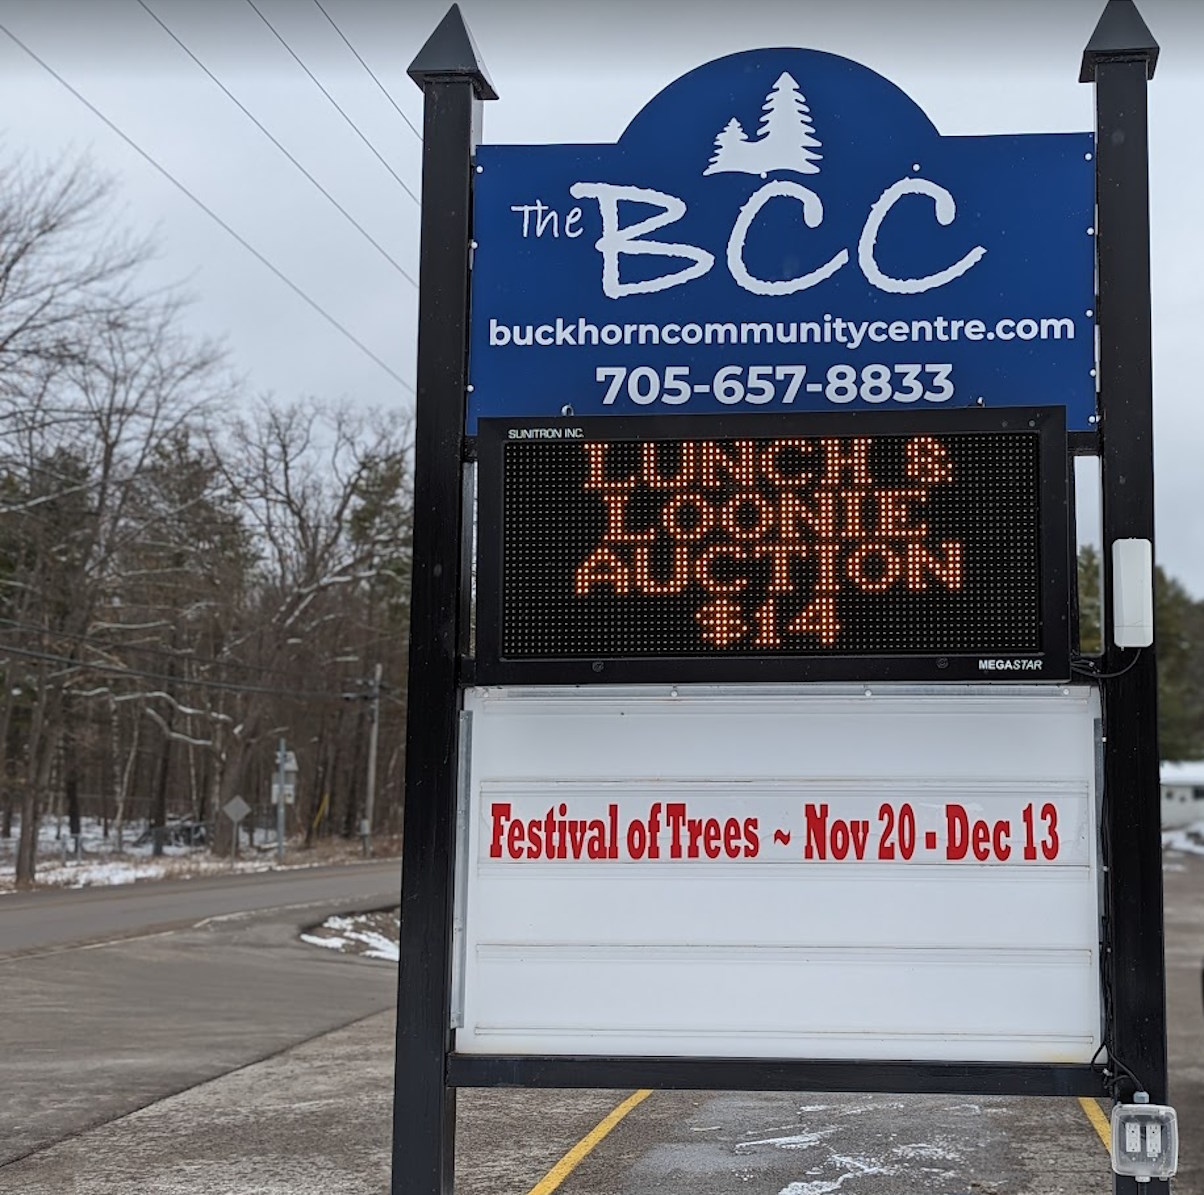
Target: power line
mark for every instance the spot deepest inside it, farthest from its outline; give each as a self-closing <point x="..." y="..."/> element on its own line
<point x="10" y="624"/>
<point x="264" y="130"/>
<point x="370" y="71"/>
<point x="175" y="182"/>
<point x="337" y="107"/>
<point x="117" y="670"/>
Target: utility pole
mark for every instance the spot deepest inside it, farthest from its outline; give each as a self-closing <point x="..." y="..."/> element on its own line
<point x="281" y="755"/>
<point x="373" y="737"/>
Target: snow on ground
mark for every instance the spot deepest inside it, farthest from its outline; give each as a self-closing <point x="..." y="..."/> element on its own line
<point x="97" y="862"/>
<point x="849" y="1167"/>
<point x="1187" y="841"/>
<point x="102" y="872"/>
<point x="795" y="1141"/>
<point x="373" y="935"/>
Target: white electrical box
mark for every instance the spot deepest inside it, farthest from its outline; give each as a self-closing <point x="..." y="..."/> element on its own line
<point x="1132" y="592"/>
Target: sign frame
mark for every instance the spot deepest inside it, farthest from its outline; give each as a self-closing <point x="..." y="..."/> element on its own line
<point x="1120" y="60"/>
<point x="492" y="668"/>
<point x="507" y="738"/>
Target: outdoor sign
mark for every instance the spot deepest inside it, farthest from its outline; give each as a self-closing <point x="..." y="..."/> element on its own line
<point x="783" y="230"/>
<point x="765" y="405"/>
<point x="902" y="545"/>
<point x="782" y="872"/>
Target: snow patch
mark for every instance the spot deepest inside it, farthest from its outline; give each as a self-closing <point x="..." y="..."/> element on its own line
<point x="853" y="1168"/>
<point x="90" y="875"/>
<point x="98" y="862"/>
<point x="798" y="1141"/>
<point x="1188" y="841"/>
<point x="927" y="1152"/>
<point x="369" y="935"/>
<point x="329" y="943"/>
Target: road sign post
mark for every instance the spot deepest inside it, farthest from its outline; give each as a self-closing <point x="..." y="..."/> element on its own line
<point x="373" y="741"/>
<point x="236" y="809"/>
<point x="281" y="760"/>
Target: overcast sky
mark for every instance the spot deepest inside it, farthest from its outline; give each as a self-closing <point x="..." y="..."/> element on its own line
<point x="567" y="70"/>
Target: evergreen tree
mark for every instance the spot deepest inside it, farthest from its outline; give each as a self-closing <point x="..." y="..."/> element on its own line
<point x="728" y="146"/>
<point x="1090" y="604"/>
<point x="1179" y="620"/>
<point x="786" y="131"/>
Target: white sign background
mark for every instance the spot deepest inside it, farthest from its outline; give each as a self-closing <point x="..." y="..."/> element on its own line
<point x="971" y="949"/>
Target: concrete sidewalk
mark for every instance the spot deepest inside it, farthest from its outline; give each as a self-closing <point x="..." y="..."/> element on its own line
<point x="314" y="1120"/>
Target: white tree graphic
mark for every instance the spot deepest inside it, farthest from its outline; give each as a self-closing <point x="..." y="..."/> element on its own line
<point x="730" y="145"/>
<point x="785" y="141"/>
<point x="787" y="128"/>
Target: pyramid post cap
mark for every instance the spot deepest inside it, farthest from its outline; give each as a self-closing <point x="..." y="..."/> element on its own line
<point x="1121" y="36"/>
<point x="451" y="51"/>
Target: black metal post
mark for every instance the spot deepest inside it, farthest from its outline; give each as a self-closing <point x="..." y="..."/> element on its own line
<point x="424" y="1109"/>
<point x="1120" y="60"/>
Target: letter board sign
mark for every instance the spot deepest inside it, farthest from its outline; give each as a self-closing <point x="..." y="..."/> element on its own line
<point x="804" y="873"/>
<point x="896" y="545"/>
<point x="783" y="230"/>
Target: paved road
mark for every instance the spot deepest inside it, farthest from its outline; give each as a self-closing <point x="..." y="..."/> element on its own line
<point x="51" y="918"/>
<point x="92" y="1032"/>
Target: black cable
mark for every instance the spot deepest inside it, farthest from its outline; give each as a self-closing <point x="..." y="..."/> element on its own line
<point x="9" y="624"/>
<point x="370" y="71"/>
<point x="1091" y="672"/>
<point x="175" y="182"/>
<point x="1106" y="922"/>
<point x="334" y="103"/>
<point x="264" y="130"/>
<point x="1114" y="1061"/>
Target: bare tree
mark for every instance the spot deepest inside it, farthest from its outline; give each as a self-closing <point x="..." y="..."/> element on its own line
<point x="176" y="588"/>
<point x="314" y="483"/>
<point x="95" y="380"/>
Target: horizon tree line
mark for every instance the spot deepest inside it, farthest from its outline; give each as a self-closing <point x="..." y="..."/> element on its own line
<point x="178" y="587"/>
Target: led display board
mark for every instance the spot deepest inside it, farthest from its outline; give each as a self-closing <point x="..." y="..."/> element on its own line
<point x="901" y="546"/>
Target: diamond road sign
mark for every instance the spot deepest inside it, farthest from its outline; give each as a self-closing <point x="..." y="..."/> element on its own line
<point x="236" y="809"/>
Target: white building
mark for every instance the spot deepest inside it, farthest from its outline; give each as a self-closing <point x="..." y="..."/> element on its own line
<point x="1182" y="793"/>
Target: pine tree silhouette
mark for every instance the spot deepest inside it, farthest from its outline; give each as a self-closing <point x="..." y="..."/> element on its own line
<point x="785" y="141"/>
<point x="730" y="145"/>
<point x="787" y="136"/>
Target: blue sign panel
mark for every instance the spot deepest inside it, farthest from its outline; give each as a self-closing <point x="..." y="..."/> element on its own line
<point x="784" y="230"/>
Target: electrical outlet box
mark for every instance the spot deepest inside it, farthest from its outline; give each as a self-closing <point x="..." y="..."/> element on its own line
<point x="1145" y="1141"/>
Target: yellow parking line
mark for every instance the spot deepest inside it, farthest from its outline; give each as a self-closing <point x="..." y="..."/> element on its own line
<point x="585" y="1146"/>
<point x="1099" y="1122"/>
<point x="571" y="1160"/>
